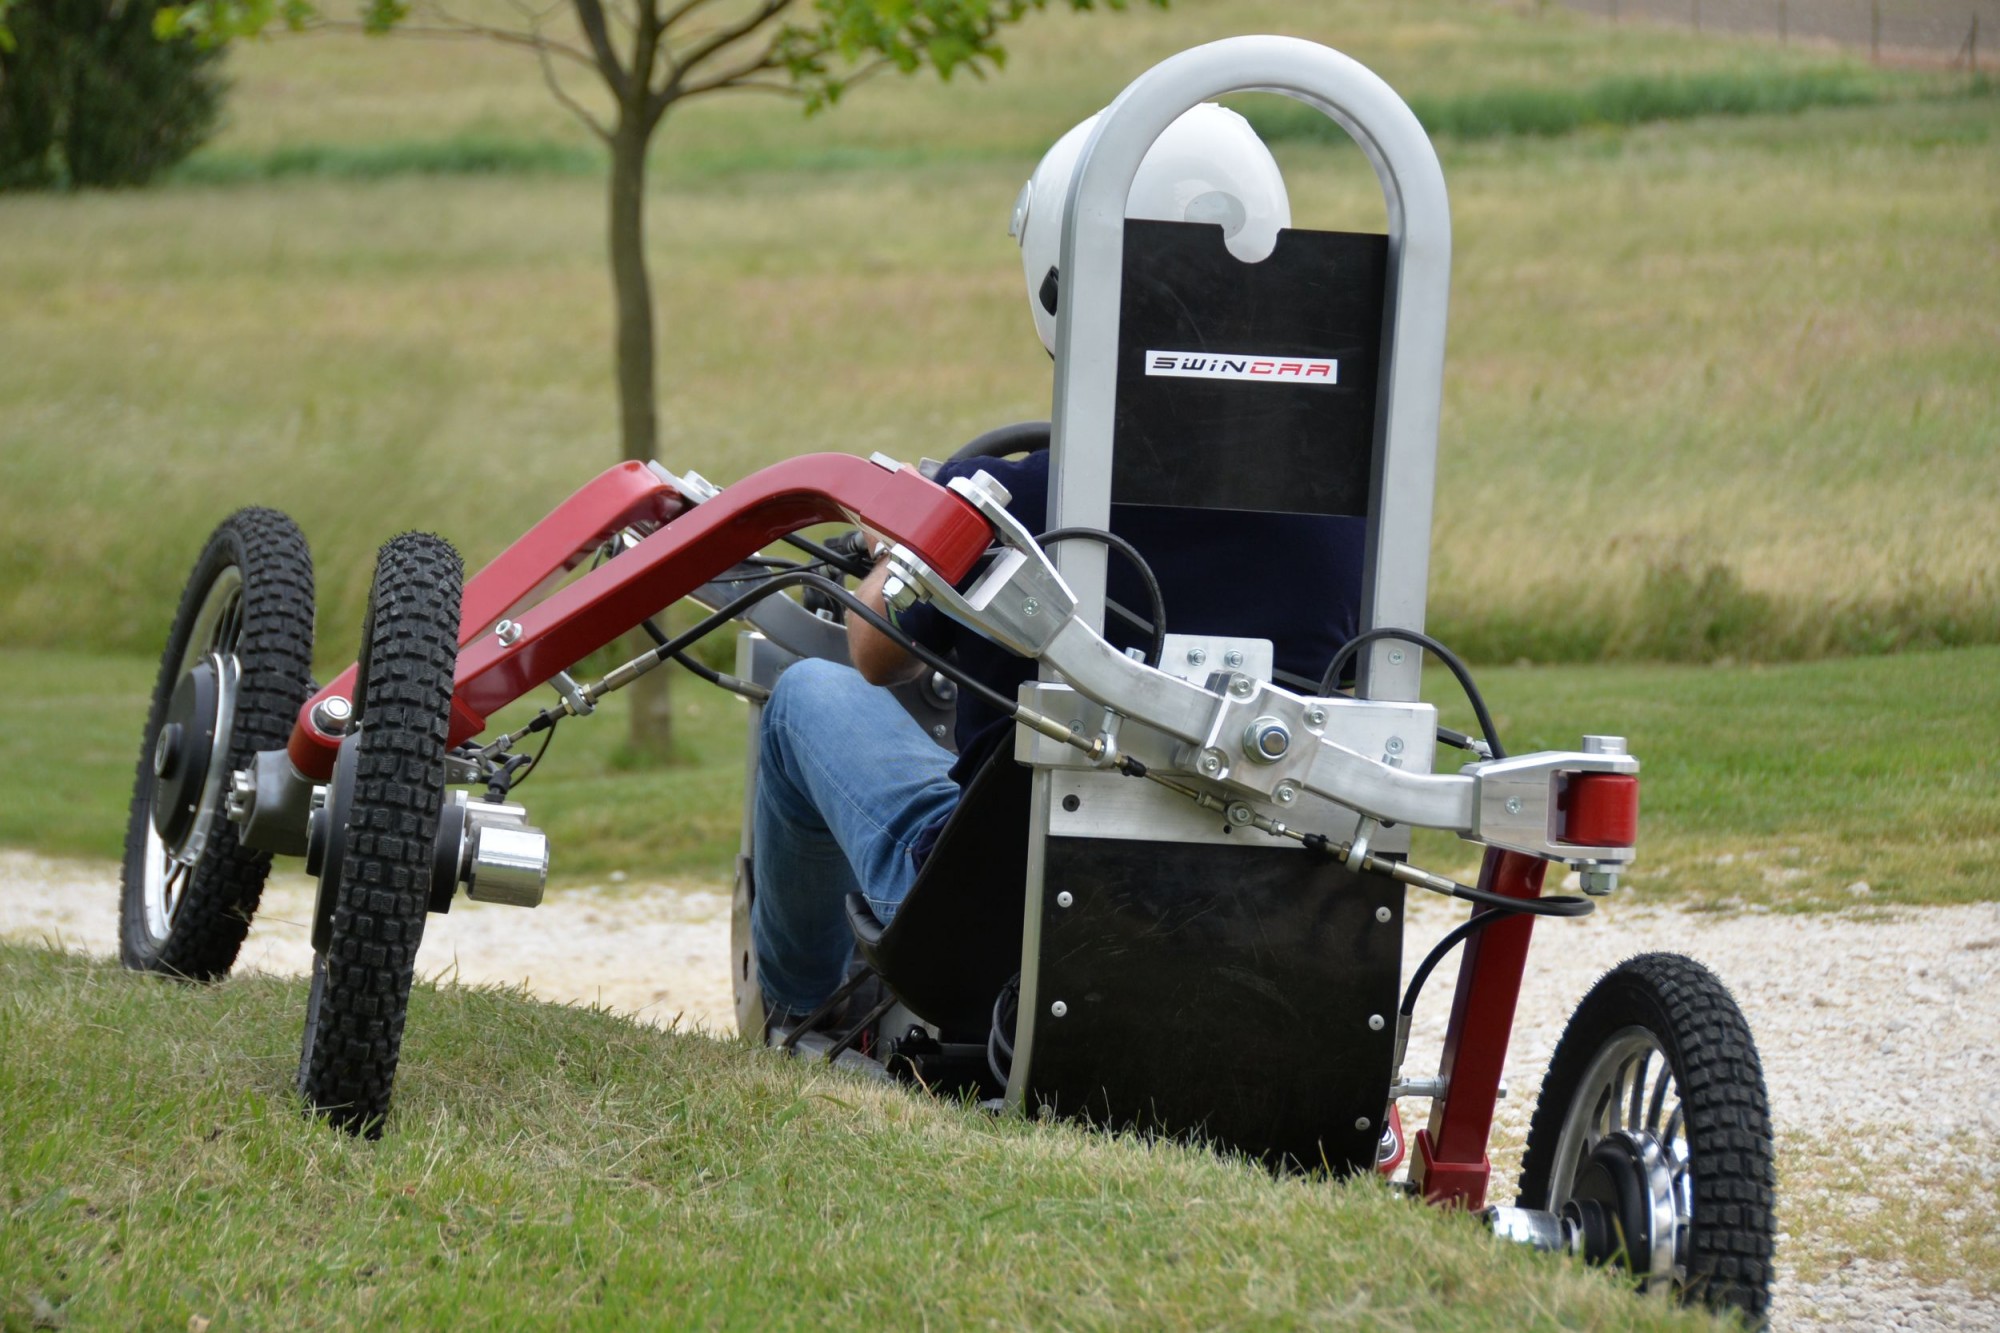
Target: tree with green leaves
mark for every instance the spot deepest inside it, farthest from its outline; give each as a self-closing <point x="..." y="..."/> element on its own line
<point x="651" y="55"/>
<point x="89" y="97"/>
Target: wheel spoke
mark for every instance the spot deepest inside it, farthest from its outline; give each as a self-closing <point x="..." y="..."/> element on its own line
<point x="1639" y="1070"/>
<point x="1659" y="1095"/>
<point x="170" y="890"/>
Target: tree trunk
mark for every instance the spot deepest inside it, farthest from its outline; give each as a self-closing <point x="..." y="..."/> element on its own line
<point x="651" y="730"/>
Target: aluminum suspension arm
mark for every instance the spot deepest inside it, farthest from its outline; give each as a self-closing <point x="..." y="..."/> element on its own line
<point x="1259" y="741"/>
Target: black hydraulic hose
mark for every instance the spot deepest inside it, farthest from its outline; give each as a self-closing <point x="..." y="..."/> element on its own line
<point x="846" y="564"/>
<point x="748" y="689"/>
<point x="736" y="606"/>
<point x="1331" y="681"/>
<point x="1452" y="939"/>
<point x="1146" y="576"/>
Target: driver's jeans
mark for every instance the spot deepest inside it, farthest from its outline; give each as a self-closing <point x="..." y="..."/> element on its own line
<point x="846" y="781"/>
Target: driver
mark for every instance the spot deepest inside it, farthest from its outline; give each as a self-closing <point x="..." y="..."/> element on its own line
<point x="852" y="793"/>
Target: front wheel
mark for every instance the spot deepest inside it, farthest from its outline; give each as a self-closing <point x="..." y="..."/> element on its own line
<point x="1652" y="1135"/>
<point x="235" y="672"/>
<point x="374" y="844"/>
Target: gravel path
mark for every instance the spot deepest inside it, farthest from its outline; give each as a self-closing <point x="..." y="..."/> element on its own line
<point x="1876" y="1030"/>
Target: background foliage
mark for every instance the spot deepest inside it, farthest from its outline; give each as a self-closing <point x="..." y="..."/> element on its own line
<point x="90" y="97"/>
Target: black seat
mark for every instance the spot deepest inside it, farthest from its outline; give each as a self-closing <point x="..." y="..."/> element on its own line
<point x="956" y="939"/>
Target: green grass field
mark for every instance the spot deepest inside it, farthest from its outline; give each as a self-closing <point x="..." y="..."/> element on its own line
<point x="1720" y="387"/>
<point x="554" y="1167"/>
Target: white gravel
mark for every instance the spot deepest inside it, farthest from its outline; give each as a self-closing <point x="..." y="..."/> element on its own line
<point x="1876" y="1030"/>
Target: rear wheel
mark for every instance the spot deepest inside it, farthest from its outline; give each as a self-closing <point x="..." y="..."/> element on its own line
<point x="234" y="675"/>
<point x="1652" y="1135"/>
<point x="375" y="836"/>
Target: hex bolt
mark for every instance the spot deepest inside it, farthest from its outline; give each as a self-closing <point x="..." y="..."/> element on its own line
<point x="1383" y="914"/>
<point x="1266" y="740"/>
<point x="1363" y="1122"/>
<point x="1394" y="745"/>
<point x="508" y="632"/>
<point x="1376" y="1023"/>
<point x="1030" y="607"/>
<point x="1232" y="658"/>
<point x="1064" y="899"/>
<point x="332" y="715"/>
<point x="1513" y="805"/>
<point x="1196" y="656"/>
<point x="1285" y="794"/>
<point x="1058" y="1009"/>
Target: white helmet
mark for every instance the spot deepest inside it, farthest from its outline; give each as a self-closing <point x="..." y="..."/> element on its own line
<point x="1208" y="166"/>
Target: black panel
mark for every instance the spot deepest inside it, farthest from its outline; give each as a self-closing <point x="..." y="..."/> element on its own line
<point x="956" y="938"/>
<point x="1220" y="992"/>
<point x="1290" y="438"/>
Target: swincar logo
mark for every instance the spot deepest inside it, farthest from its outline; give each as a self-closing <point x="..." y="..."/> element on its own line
<point x="1267" y="369"/>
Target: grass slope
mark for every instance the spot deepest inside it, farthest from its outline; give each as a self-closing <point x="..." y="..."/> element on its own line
<point x="555" y="1167"/>
<point x="1771" y="786"/>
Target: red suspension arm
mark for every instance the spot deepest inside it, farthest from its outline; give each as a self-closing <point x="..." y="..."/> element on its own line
<point x="1451" y="1165"/>
<point x="697" y="543"/>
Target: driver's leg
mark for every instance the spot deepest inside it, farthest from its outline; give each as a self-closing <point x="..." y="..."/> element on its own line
<point x="846" y="782"/>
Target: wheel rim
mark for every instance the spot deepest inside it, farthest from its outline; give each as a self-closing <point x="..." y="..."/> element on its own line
<point x="213" y="638"/>
<point x="1630" y="1089"/>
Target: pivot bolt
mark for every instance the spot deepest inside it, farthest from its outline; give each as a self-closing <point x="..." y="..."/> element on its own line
<point x="333" y="714"/>
<point x="1266" y="739"/>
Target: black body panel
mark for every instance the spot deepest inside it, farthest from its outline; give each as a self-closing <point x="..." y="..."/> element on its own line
<point x="1275" y="442"/>
<point x="1220" y="992"/>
